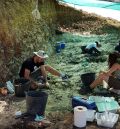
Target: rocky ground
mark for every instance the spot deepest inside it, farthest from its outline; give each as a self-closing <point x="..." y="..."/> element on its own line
<point x="70" y="61"/>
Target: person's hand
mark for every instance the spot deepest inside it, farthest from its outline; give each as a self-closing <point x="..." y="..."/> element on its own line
<point x="101" y="72"/>
<point x="108" y="74"/>
<point x="4" y="91"/>
<point x="43" y="85"/>
<point x="105" y="73"/>
<point x="35" y="85"/>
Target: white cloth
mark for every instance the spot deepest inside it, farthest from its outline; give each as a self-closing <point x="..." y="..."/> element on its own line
<point x="91" y="46"/>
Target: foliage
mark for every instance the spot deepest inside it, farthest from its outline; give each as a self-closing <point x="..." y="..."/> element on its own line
<point x="70" y="19"/>
<point x="20" y="35"/>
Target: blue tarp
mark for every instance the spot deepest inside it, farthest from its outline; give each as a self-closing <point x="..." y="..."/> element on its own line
<point x="94" y="3"/>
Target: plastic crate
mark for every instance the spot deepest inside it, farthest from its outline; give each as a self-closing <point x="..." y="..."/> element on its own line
<point x="106" y="120"/>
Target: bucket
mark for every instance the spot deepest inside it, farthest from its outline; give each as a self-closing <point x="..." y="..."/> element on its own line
<point x="21" y="86"/>
<point x="36" y="102"/>
<point x="62" y="45"/>
<point x="87" y="78"/>
<point x="58" y="47"/>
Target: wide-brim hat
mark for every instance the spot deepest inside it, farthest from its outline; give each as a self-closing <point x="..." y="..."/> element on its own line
<point x="41" y="54"/>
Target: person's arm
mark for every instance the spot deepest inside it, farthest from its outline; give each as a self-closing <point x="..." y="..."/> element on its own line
<point x="34" y="84"/>
<point x="115" y="67"/>
<point x="27" y="74"/>
<point x="44" y="74"/>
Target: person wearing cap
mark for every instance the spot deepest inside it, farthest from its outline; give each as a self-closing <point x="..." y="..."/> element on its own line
<point x="93" y="48"/>
<point x="38" y="61"/>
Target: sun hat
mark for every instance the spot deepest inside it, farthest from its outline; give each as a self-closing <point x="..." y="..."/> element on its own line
<point x="41" y="54"/>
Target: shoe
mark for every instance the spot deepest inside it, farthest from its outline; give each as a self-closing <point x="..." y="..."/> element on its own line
<point x="39" y="118"/>
<point x="85" y="90"/>
<point x="65" y="77"/>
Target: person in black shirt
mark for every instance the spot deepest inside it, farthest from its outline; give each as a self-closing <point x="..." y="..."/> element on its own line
<point x="37" y="61"/>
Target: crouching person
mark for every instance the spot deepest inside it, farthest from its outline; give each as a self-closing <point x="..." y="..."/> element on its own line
<point x="38" y="61"/>
<point x="93" y="48"/>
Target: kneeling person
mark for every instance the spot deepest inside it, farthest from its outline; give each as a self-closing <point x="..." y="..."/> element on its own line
<point x="93" y="48"/>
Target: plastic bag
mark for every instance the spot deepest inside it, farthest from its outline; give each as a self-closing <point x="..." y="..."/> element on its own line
<point x="35" y="12"/>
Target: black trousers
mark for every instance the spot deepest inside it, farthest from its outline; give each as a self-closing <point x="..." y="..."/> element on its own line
<point x="114" y="83"/>
<point x="92" y="51"/>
